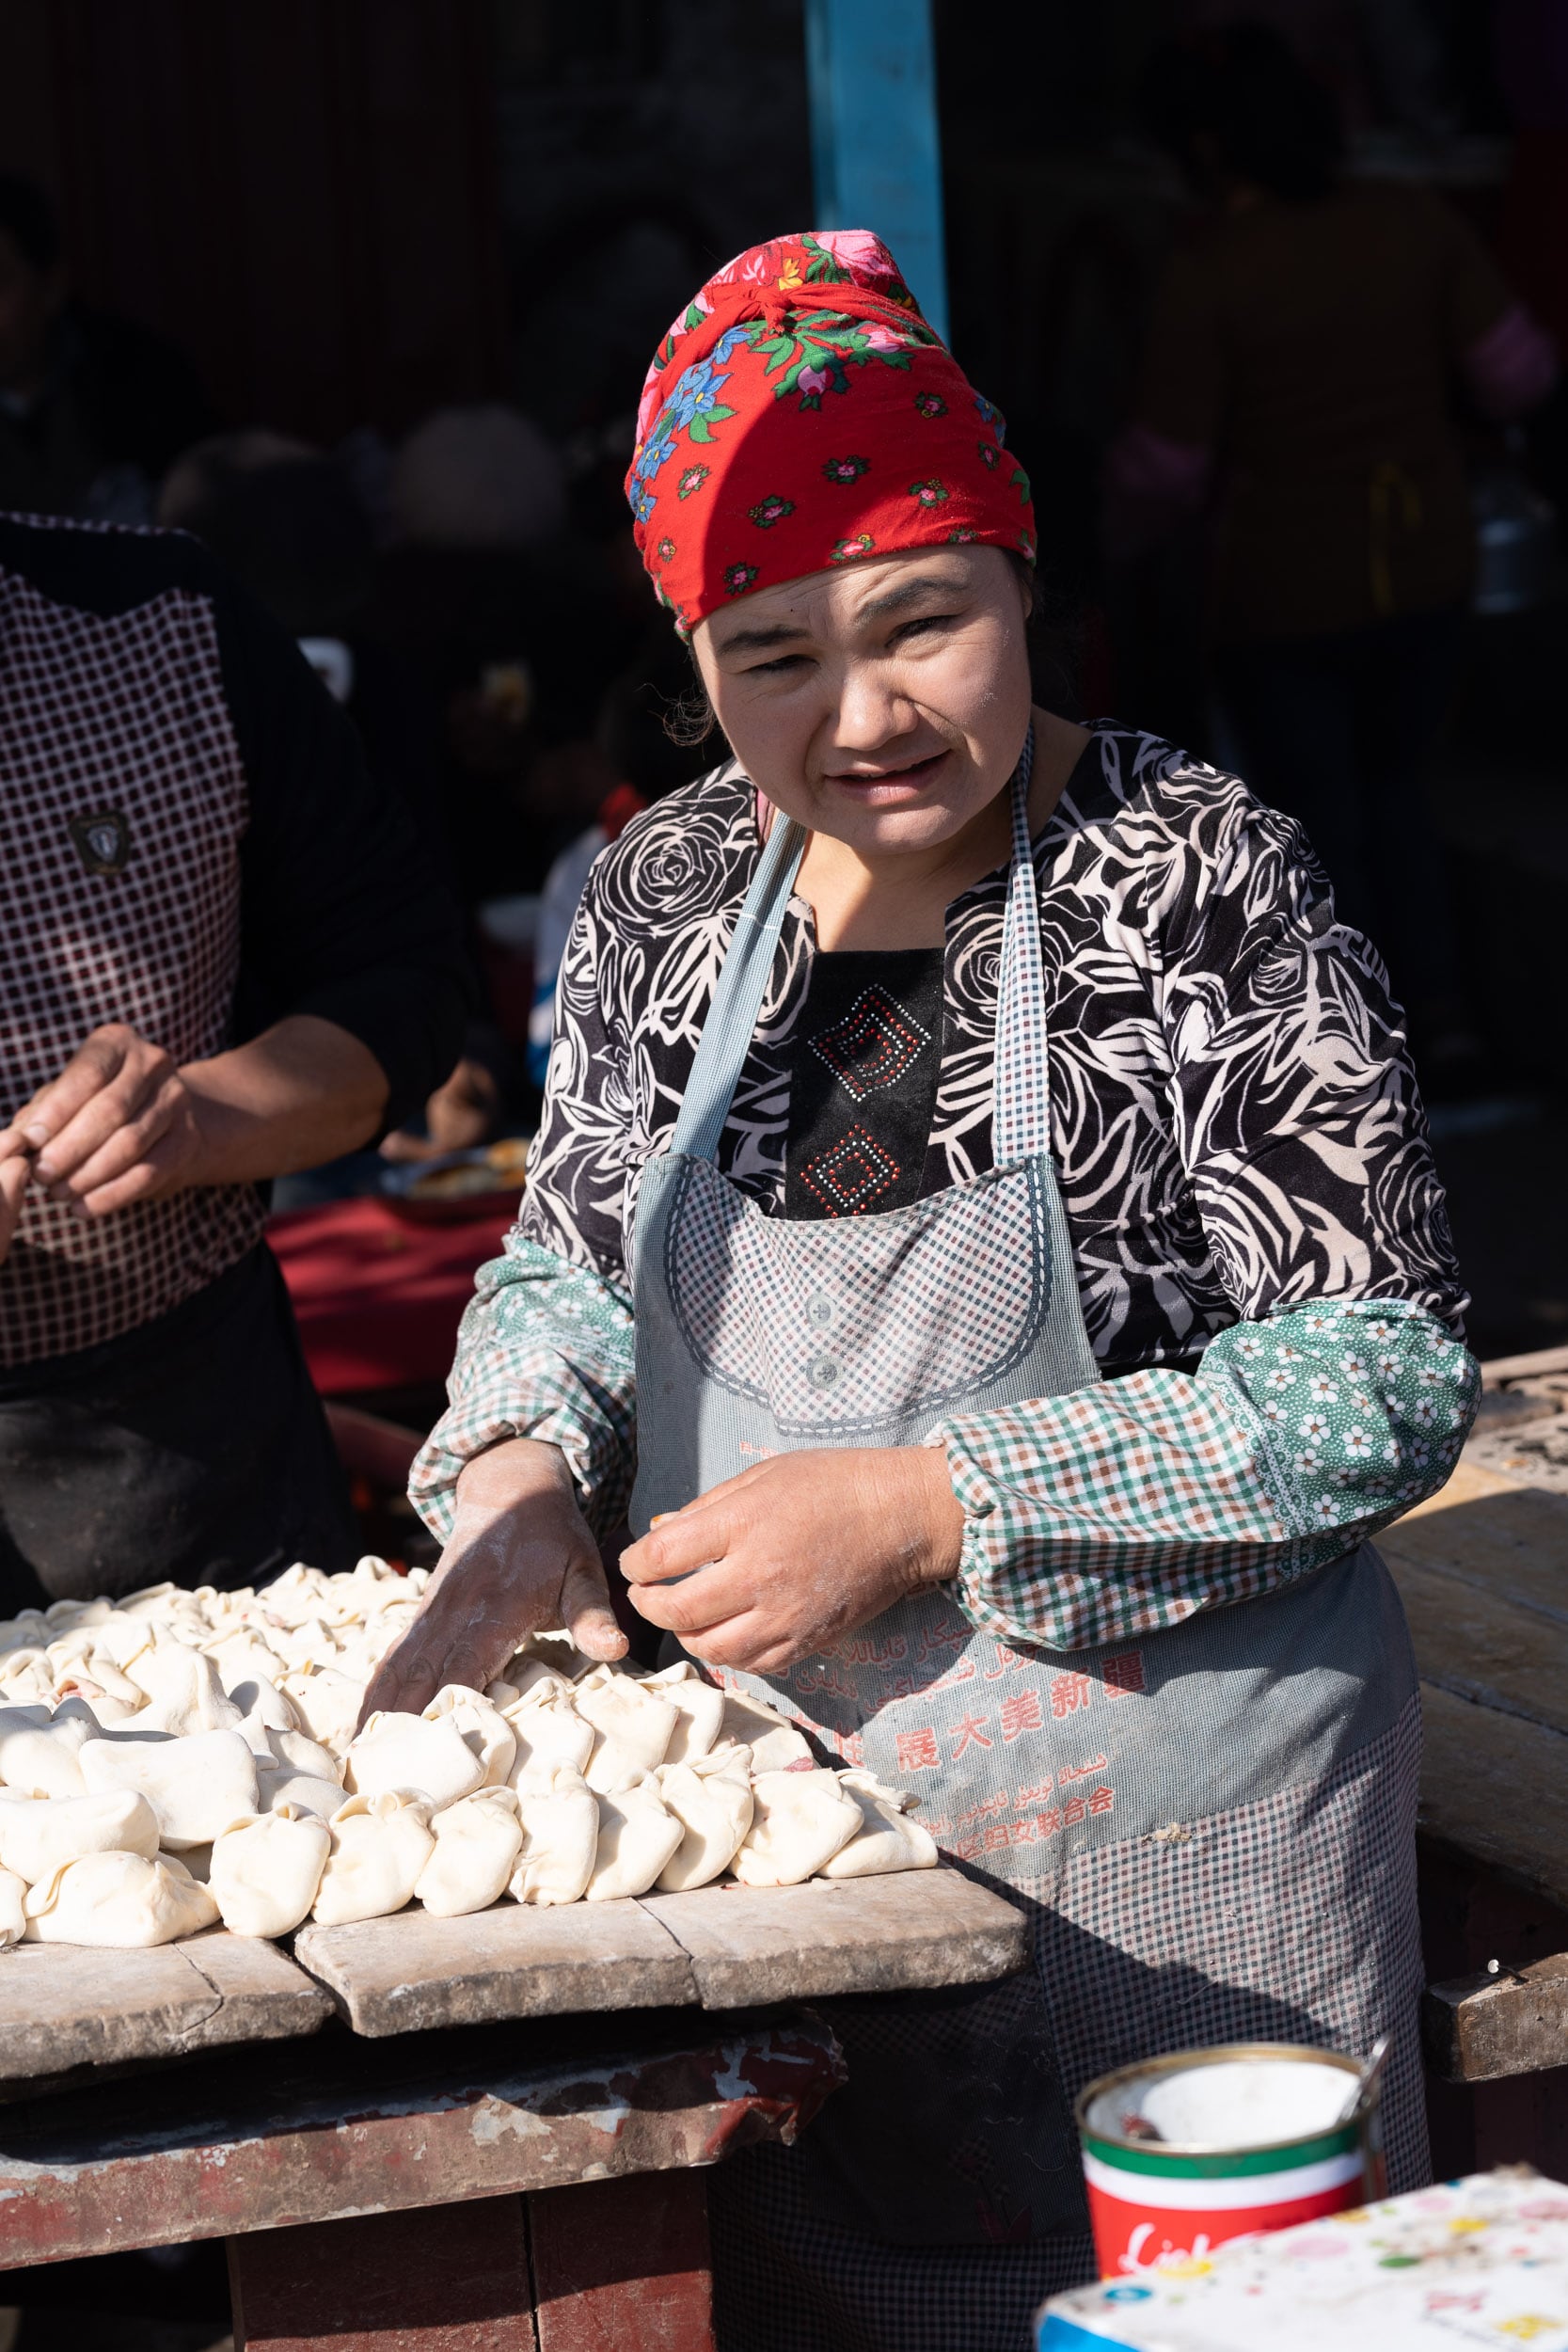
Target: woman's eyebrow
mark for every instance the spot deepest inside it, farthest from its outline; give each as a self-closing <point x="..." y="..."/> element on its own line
<point x="758" y="640"/>
<point x="909" y="592"/>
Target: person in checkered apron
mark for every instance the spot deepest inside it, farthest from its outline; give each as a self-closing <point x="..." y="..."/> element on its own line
<point x="983" y="1233"/>
<point x="221" y="958"/>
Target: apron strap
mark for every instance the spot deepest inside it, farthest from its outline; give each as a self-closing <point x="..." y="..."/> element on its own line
<point x="742" y="983"/>
<point x="1021" y="1115"/>
<point x="1022" y="1118"/>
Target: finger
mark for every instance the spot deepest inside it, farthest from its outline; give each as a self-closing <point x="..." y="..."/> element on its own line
<point x="407" y="1677"/>
<point x="587" y="1613"/>
<point x="13" y="1187"/>
<point x="747" y="1642"/>
<point x="706" y="1599"/>
<point x="693" y="1538"/>
<point x="89" y="1069"/>
<point x="129" y="1097"/>
<point x="131" y="1142"/>
<point x="145" y="1182"/>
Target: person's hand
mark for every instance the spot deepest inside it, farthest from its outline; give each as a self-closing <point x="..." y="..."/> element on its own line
<point x="14" y="1175"/>
<point x="458" y="1116"/>
<point x="521" y="1560"/>
<point x="118" y="1125"/>
<point x="796" y="1553"/>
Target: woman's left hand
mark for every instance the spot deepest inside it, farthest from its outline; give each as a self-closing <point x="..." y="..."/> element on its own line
<point x="794" y="1554"/>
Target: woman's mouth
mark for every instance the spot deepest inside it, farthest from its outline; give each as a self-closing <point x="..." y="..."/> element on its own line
<point x="874" y="785"/>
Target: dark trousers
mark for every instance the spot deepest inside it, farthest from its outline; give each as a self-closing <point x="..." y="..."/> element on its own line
<point x="194" y="1448"/>
<point x="1336" y="731"/>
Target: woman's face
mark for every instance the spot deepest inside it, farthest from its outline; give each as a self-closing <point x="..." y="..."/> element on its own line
<point x="885" y="704"/>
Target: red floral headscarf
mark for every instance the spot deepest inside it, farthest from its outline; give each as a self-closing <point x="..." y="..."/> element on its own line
<point x="800" y="412"/>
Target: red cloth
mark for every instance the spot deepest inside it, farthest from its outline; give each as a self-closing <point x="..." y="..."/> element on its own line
<point x="800" y="412"/>
<point x="378" y="1298"/>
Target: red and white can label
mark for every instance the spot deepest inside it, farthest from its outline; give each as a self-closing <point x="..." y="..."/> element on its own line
<point x="1144" y="2221"/>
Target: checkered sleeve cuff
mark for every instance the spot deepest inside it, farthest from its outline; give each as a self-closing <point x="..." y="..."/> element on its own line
<point x="545" y="1350"/>
<point x="1121" y="1509"/>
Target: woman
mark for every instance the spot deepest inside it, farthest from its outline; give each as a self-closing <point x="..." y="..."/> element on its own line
<point x="992" y="1217"/>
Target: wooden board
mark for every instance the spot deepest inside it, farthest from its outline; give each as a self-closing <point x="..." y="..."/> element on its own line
<point x="64" y="2006"/>
<point x="1482" y="1568"/>
<point x="719" y="1948"/>
<point x="915" y="1929"/>
<point x="411" y="1971"/>
<point x="1477" y="2030"/>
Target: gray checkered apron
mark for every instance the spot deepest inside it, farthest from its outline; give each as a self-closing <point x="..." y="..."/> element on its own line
<point x="1211" y="1830"/>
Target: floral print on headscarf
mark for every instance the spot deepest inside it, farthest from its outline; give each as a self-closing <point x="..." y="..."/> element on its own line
<point x="801" y="413"/>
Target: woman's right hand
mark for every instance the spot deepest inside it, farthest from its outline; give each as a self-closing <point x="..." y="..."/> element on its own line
<point x="521" y="1560"/>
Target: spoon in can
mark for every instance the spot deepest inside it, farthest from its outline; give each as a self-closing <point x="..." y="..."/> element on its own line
<point x="1367" y="2081"/>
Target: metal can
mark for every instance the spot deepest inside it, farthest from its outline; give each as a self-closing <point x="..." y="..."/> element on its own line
<point x="1183" y="2153"/>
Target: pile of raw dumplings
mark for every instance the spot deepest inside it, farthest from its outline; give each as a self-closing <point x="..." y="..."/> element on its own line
<point x="180" y="1758"/>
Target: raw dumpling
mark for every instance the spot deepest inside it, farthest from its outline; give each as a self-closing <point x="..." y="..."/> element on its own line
<point x="714" y="1809"/>
<point x="636" y="1838"/>
<point x="552" y="1653"/>
<point x="112" y="1697"/>
<point x="291" y="1751"/>
<point x="13" y="1921"/>
<point x="42" y="1755"/>
<point x="559" y="1815"/>
<point x="195" y="1785"/>
<point x="477" y="1843"/>
<point x="327" y="1704"/>
<point x="888" y="1840"/>
<point x="801" y="1821"/>
<point x="548" y="1731"/>
<point x="118" y="1900"/>
<point x="241" y="1656"/>
<point x="264" y="1873"/>
<point x="698" y="1706"/>
<point x="397" y="1751"/>
<point x="774" y="1743"/>
<point x="183" y="1693"/>
<point x="483" y="1728"/>
<point x="264" y="1706"/>
<point x="41" y="1838"/>
<point x="302" y="1790"/>
<point x="379" y="1847"/>
<point x="634" y="1723"/>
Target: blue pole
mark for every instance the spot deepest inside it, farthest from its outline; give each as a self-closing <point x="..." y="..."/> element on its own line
<point x="875" y="145"/>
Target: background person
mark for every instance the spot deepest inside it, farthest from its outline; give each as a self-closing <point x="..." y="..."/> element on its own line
<point x="982" y="1213"/>
<point x="93" y="410"/>
<point x="1301" y="376"/>
<point x="221" y="958"/>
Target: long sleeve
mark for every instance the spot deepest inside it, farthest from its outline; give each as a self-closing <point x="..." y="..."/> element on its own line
<point x="1130" y="1506"/>
<point x="1343" y="1393"/>
<point x="545" y="1350"/>
<point x="547" y="1347"/>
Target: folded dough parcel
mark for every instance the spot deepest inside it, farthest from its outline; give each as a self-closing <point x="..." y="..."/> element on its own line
<point x="179" y="1759"/>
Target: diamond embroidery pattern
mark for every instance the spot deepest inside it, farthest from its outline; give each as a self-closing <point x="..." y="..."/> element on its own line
<point x="851" y="1173"/>
<point x="873" y="1045"/>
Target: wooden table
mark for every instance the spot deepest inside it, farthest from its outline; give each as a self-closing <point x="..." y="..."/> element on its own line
<point x="1483" y="1571"/>
<point x="410" y="2136"/>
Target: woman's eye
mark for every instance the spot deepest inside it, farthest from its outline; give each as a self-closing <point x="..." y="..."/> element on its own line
<point x="776" y="669"/>
<point x="928" y="622"/>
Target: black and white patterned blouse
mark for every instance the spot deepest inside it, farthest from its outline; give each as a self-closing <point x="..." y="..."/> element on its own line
<point x="1239" y="1141"/>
